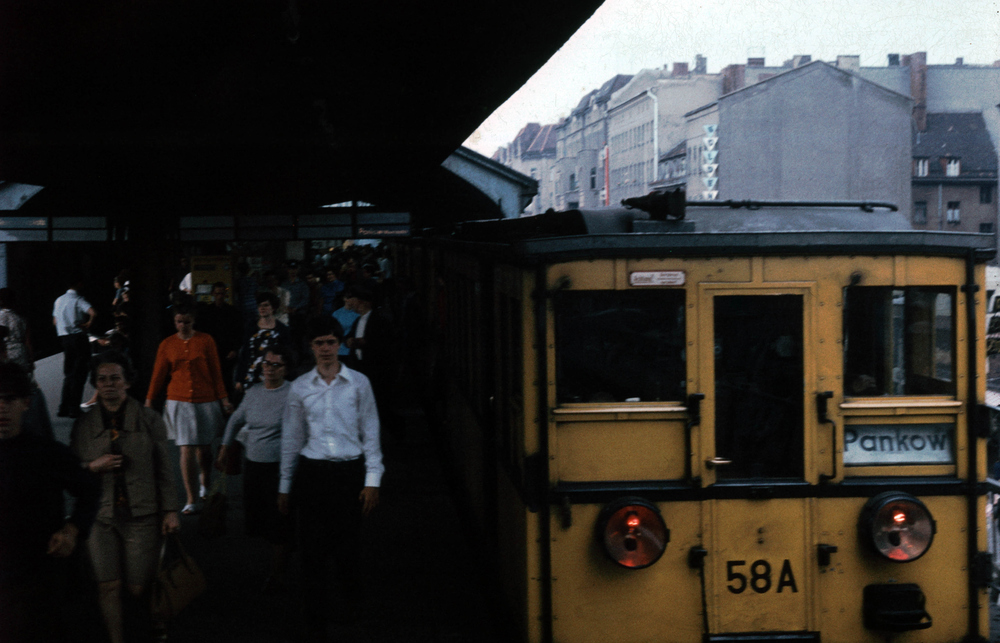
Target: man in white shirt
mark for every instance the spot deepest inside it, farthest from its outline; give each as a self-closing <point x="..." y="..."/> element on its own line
<point x="331" y="464"/>
<point x="72" y="315"/>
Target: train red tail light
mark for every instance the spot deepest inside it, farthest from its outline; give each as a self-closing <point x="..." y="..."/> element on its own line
<point x="897" y="526"/>
<point x="632" y="532"/>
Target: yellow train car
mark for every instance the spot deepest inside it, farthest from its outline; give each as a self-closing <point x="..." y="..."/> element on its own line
<point x="756" y="423"/>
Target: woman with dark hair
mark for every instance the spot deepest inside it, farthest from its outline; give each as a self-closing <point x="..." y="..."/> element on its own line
<point x="18" y="340"/>
<point x="266" y="332"/>
<point x="257" y="424"/>
<point x="191" y="362"/>
<point x="126" y="446"/>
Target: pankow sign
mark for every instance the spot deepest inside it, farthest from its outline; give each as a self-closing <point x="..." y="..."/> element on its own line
<point x="875" y="444"/>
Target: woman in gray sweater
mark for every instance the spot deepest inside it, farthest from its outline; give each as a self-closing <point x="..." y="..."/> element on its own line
<point x="256" y="423"/>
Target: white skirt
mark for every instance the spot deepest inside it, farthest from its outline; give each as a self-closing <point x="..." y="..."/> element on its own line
<point x="190" y="423"/>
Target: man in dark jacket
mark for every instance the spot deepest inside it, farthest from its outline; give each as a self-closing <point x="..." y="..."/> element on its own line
<point x="34" y="534"/>
<point x="373" y="351"/>
<point x="225" y="324"/>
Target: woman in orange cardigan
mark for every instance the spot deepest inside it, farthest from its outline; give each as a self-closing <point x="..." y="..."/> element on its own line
<point x="192" y="412"/>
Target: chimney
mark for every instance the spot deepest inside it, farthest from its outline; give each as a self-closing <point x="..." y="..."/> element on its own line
<point x="959" y="62"/>
<point x="849" y="63"/>
<point x="700" y="64"/>
<point x="755" y="62"/>
<point x="798" y="61"/>
<point x="918" y="88"/>
<point x="894" y="60"/>
<point x="680" y="69"/>
<point x="733" y="78"/>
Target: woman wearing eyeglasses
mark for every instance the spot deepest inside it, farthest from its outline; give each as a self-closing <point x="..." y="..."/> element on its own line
<point x="257" y="424"/>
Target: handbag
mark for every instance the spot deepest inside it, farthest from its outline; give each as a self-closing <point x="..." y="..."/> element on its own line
<point x="232" y="464"/>
<point x="178" y="582"/>
<point x="212" y="521"/>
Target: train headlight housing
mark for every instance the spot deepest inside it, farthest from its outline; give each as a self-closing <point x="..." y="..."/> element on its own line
<point x="897" y="526"/>
<point x="632" y="532"/>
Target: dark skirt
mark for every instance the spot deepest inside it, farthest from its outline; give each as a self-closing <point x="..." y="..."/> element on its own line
<point x="260" y="499"/>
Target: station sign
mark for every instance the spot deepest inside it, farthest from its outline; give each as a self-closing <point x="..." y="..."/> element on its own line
<point x="656" y="278"/>
<point x="881" y="444"/>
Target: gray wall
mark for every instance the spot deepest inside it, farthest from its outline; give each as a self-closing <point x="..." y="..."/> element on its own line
<point x="815" y="134"/>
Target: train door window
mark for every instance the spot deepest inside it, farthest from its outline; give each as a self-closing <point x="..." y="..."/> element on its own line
<point x="620" y="346"/>
<point x="759" y="386"/>
<point x="899" y="341"/>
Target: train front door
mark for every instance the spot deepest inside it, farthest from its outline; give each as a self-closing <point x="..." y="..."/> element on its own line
<point x="757" y="513"/>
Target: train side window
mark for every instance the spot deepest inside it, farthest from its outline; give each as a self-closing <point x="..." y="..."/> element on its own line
<point x="620" y="346"/>
<point x="899" y="341"/>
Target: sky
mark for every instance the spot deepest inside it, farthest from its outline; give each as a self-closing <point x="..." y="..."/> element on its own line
<point x="624" y="36"/>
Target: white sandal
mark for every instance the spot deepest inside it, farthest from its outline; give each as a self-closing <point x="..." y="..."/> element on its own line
<point x="189" y="509"/>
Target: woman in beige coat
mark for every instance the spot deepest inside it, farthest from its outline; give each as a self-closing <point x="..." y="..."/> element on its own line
<point x="126" y="445"/>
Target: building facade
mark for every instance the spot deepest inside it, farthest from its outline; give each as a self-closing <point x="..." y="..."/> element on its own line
<point x="582" y="140"/>
<point x="646" y="120"/>
<point x="954" y="175"/>
<point x="533" y="153"/>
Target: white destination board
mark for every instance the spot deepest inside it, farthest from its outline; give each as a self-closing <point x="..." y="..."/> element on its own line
<point x="875" y="444"/>
<point x="656" y="278"/>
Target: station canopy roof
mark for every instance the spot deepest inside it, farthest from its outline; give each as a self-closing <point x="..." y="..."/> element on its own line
<point x="215" y="107"/>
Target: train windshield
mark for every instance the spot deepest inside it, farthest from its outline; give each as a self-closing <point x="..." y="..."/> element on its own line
<point x="620" y="346"/>
<point x="899" y="341"/>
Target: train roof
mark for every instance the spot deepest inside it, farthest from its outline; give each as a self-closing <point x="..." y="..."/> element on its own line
<point x="727" y="228"/>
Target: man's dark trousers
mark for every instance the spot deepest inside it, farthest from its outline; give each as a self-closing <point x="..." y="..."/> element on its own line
<point x="76" y="365"/>
<point x="327" y="498"/>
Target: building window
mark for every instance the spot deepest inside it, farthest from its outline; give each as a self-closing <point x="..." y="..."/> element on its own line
<point x="572" y="181"/>
<point x="953" y="167"/>
<point x="986" y="228"/>
<point x="921" y="167"/>
<point x="986" y="194"/>
<point x="593" y="178"/>
<point x="954" y="212"/>
<point x="920" y="212"/>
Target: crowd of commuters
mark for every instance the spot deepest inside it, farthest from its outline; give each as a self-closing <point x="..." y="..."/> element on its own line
<point x="301" y="372"/>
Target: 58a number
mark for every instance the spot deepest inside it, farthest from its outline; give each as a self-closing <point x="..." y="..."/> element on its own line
<point x="760" y="577"/>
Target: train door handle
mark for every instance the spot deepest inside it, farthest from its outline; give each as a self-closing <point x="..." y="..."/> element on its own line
<point x="717" y="462"/>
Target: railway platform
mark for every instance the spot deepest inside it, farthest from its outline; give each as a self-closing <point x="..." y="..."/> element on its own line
<point x="424" y="583"/>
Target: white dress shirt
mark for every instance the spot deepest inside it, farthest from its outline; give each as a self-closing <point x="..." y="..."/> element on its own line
<point x="336" y="422"/>
<point x="69" y="310"/>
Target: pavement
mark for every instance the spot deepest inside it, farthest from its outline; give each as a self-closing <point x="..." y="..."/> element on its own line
<point x="424" y="583"/>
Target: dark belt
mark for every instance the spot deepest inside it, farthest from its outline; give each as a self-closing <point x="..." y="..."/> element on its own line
<point x="333" y="465"/>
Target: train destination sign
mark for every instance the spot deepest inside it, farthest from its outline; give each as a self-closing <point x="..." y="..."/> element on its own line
<point x="877" y="444"/>
<point x="656" y="278"/>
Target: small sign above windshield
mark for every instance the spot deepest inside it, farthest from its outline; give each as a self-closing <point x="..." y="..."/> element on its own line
<point x="656" y="278"/>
